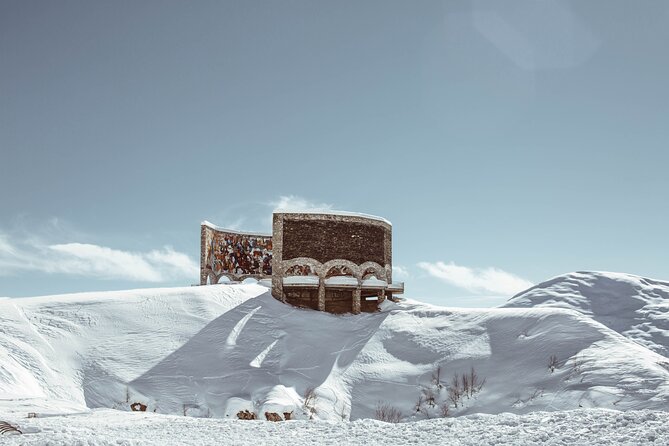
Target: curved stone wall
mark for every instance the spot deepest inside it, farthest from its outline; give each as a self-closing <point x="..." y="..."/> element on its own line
<point x="335" y="262"/>
<point x="328" y="245"/>
<point x="233" y="254"/>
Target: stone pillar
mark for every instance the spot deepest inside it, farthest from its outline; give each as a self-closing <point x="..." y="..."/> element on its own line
<point x="321" y="295"/>
<point x="356" y="300"/>
<point x="203" y="248"/>
<point x="277" y="258"/>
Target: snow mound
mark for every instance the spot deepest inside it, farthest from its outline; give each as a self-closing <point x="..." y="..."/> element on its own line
<point x="70" y="352"/>
<point x="635" y="307"/>
<point x="215" y="351"/>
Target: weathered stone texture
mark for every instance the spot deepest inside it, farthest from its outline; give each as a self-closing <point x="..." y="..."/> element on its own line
<point x="324" y="240"/>
<point x="327" y="245"/>
<point x="308" y="244"/>
<point x="235" y="255"/>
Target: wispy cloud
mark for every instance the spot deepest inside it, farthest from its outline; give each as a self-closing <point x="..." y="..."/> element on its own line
<point x="6" y="248"/>
<point x="477" y="280"/>
<point x="91" y="260"/>
<point x="400" y="272"/>
<point x="296" y="203"/>
<point x="257" y="215"/>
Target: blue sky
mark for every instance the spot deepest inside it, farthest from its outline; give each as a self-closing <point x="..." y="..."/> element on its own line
<point x="508" y="142"/>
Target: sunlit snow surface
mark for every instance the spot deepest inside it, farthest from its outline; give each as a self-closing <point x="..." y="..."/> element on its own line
<point x="634" y="306"/>
<point x="583" y="427"/>
<point x="209" y="352"/>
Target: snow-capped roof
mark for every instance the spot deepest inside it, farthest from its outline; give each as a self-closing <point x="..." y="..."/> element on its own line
<point x="373" y="282"/>
<point x="342" y="281"/>
<point x="234" y="231"/>
<point x="301" y="281"/>
<point x="396" y="287"/>
<point x="332" y="212"/>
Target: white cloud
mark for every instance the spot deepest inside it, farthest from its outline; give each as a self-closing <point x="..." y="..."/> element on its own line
<point x="6" y="248"/>
<point x="477" y="280"/>
<point x="173" y="263"/>
<point x="400" y="272"/>
<point x="103" y="262"/>
<point x="255" y="216"/>
<point x="295" y="203"/>
<point x="90" y="260"/>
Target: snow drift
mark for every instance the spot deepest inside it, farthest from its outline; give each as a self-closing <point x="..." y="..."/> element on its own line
<point x="215" y="350"/>
<point x="106" y="427"/>
<point x="634" y="306"/>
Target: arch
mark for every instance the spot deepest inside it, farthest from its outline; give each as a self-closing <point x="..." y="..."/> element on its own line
<point x="313" y="264"/>
<point x="211" y="278"/>
<point x="339" y="263"/>
<point x="231" y="277"/>
<point x="372" y="268"/>
<point x="300" y="270"/>
<point x="339" y="270"/>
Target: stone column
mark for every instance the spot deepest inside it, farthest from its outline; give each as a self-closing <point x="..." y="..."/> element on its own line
<point x="277" y="258"/>
<point x="203" y="248"/>
<point x="356" y="300"/>
<point x="321" y="295"/>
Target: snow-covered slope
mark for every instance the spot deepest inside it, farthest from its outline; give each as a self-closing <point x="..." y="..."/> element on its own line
<point x="634" y="306"/>
<point x="215" y="350"/>
<point x="70" y="351"/>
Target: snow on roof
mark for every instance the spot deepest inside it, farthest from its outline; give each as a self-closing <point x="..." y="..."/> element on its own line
<point x="293" y="211"/>
<point x="300" y="281"/>
<point x="396" y="287"/>
<point x="341" y="281"/>
<point x="332" y="212"/>
<point x="373" y="282"/>
<point x="234" y="231"/>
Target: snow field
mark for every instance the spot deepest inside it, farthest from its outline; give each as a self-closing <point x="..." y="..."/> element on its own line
<point x="216" y="350"/>
<point x="583" y="426"/>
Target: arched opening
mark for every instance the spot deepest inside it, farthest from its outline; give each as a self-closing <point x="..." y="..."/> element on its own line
<point x="339" y="270"/>
<point x="300" y="286"/>
<point x="340" y="285"/>
<point x="300" y="270"/>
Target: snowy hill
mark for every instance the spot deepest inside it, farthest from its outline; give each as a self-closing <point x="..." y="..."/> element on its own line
<point x="215" y="350"/>
<point x="635" y="307"/>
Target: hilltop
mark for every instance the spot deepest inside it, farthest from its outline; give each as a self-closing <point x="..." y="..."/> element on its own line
<point x="636" y="307"/>
<point x="212" y="351"/>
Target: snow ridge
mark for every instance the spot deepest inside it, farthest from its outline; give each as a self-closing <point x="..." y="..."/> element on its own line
<point x="633" y="306"/>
